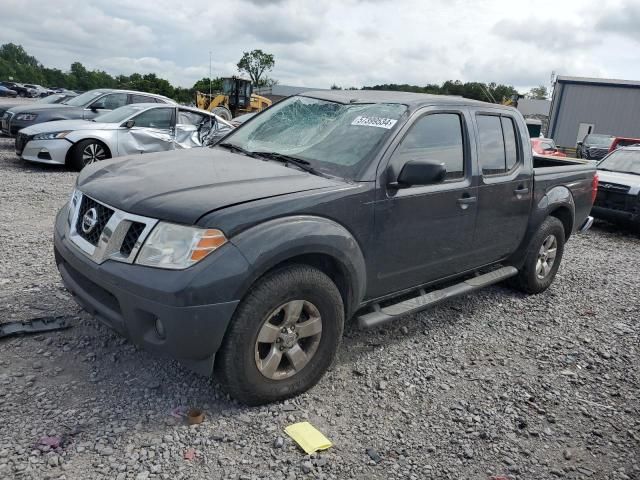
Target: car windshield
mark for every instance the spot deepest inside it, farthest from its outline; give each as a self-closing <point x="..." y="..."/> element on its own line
<point x="84" y="99"/>
<point x="331" y="137"/>
<point x="119" y="114"/>
<point x="605" y="140"/>
<point x="624" y="161"/>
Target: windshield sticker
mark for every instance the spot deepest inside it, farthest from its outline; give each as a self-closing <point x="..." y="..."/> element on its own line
<point x="374" y="122"/>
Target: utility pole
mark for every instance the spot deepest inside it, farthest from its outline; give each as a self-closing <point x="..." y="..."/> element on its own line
<point x="209" y="73"/>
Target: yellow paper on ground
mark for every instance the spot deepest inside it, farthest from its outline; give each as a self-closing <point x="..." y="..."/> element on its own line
<point x="308" y="437"/>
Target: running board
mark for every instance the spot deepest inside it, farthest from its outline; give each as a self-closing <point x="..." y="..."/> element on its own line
<point x="382" y="315"/>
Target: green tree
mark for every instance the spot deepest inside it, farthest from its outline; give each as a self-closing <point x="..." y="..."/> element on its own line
<point x="538" y="93"/>
<point x="255" y="64"/>
<point x="202" y="85"/>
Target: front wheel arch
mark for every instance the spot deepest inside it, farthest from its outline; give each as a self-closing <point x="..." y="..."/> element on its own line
<point x="69" y="161"/>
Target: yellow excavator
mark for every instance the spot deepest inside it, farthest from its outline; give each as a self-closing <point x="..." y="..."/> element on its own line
<point x="236" y="98"/>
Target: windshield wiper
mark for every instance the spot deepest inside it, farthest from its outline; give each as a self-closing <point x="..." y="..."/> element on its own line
<point x="286" y="159"/>
<point x="236" y="148"/>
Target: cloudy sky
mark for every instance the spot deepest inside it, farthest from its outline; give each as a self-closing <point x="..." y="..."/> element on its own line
<point x="346" y="42"/>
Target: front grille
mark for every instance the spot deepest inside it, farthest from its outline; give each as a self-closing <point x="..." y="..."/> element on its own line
<point x="596" y="153"/>
<point x="130" y="239"/>
<point x="102" y="216"/>
<point x="613" y="187"/>
<point x="616" y="201"/>
<point x="21" y="140"/>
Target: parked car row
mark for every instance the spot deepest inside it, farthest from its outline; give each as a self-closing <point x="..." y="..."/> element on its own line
<point x="77" y="130"/>
<point x="30" y="90"/>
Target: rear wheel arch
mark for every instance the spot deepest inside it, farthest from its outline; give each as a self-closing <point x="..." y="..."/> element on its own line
<point x="566" y="216"/>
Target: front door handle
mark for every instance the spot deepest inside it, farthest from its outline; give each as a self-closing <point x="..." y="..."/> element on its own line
<point x="521" y="191"/>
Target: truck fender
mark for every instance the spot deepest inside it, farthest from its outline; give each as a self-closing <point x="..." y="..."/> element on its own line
<point x="277" y="241"/>
<point x="558" y="201"/>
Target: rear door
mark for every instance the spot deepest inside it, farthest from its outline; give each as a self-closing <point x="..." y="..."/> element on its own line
<point x="424" y="233"/>
<point x="505" y="188"/>
<point x="153" y="131"/>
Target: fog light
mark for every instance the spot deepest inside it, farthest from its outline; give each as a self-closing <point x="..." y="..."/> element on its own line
<point x="160" y="329"/>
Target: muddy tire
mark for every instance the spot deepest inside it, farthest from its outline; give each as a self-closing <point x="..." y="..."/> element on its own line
<point x="543" y="258"/>
<point x="283" y="337"/>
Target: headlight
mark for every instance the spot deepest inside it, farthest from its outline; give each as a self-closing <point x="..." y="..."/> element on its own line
<point x="177" y="246"/>
<point x="73" y="202"/>
<point x="51" y="135"/>
<point x="26" y="116"/>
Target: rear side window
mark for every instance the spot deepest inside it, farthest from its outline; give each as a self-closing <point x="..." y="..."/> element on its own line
<point x="436" y="137"/>
<point x="142" y="99"/>
<point x="497" y="144"/>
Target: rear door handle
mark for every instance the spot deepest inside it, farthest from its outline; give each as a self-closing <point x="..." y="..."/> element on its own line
<point x="464" y="202"/>
<point x="521" y="191"/>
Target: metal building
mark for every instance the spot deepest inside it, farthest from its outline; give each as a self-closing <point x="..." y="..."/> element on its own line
<point x="593" y="105"/>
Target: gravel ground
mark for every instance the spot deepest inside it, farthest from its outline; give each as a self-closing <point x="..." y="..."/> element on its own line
<point x="492" y="385"/>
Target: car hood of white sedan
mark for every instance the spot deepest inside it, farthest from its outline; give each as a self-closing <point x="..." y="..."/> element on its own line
<point x="65" y="125"/>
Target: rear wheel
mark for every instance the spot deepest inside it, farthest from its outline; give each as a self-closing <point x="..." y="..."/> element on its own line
<point x="283" y="336"/>
<point x="87" y="152"/>
<point x="542" y="258"/>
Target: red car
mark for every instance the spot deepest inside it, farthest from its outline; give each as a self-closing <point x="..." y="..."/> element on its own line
<point x="545" y="146"/>
<point x="623" y="142"/>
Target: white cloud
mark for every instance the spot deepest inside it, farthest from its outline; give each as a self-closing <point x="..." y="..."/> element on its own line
<point x="350" y="43"/>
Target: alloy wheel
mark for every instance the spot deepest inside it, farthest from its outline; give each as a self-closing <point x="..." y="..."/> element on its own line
<point x="92" y="153"/>
<point x="288" y="339"/>
<point x="546" y="256"/>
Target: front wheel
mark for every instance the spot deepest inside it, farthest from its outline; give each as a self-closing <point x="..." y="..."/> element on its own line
<point x="543" y="258"/>
<point x="283" y="336"/>
<point x="87" y="152"/>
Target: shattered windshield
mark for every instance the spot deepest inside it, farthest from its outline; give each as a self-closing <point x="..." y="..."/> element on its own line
<point x="332" y="137"/>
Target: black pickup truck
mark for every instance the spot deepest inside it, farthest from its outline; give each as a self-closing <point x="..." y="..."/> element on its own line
<point x="247" y="259"/>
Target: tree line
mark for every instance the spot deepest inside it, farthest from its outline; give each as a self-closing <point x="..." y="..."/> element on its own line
<point x="17" y="64"/>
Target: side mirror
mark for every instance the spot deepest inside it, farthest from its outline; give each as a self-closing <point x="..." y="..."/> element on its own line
<point x="579" y="144"/>
<point x="129" y="123"/>
<point x="420" y="172"/>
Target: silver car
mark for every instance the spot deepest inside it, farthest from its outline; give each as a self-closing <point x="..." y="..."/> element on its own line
<point x="132" y="129"/>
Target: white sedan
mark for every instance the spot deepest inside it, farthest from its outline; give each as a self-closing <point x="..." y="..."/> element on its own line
<point x="137" y="128"/>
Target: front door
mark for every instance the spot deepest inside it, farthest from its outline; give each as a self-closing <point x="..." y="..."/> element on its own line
<point x="505" y="190"/>
<point x="153" y="131"/>
<point x="105" y="104"/>
<point x="423" y="233"/>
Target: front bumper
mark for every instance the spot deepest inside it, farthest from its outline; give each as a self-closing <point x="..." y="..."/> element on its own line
<point x="46" y="151"/>
<point x="14" y="126"/>
<point x="131" y="298"/>
<point x="612" y="215"/>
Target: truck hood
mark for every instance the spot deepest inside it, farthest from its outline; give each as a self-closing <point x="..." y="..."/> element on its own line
<point x="627" y="179"/>
<point x="182" y="186"/>
<point x="63" y="125"/>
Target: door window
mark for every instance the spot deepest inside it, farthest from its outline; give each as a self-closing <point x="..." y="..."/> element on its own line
<point x="436" y="137"/>
<point x="185" y="117"/>
<point x="155" y="118"/>
<point x="497" y="144"/>
<point x="111" y="101"/>
<point x="142" y="99"/>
